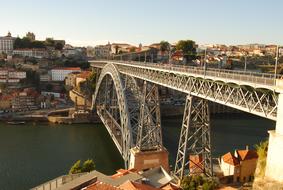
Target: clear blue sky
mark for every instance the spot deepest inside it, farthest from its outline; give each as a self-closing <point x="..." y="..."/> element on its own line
<point x="83" y="22"/>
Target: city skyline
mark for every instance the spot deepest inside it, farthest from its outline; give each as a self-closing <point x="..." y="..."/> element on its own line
<point x="88" y="22"/>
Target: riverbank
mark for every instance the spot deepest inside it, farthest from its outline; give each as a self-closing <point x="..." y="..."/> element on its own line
<point x="63" y="116"/>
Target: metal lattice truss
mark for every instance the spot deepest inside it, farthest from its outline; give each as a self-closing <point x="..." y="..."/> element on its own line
<point x="149" y="131"/>
<point x="112" y="108"/>
<point x="118" y="101"/>
<point x="261" y="102"/>
<point x="194" y="151"/>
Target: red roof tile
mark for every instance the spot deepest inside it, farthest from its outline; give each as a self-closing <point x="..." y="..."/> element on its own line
<point x="230" y="159"/>
<point x="129" y="185"/>
<point x="247" y="154"/>
<point x="101" y="186"/>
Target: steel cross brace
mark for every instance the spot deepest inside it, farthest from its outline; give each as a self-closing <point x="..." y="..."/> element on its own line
<point x="194" y="140"/>
<point x="149" y="131"/>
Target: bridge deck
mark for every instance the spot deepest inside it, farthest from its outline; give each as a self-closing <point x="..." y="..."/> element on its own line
<point x="253" y="79"/>
<point x="252" y="92"/>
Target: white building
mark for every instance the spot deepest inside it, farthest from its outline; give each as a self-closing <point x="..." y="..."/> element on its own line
<point x="102" y="51"/>
<point x="7" y="44"/>
<point x="11" y="76"/>
<point x="37" y="53"/>
<point x="17" y="74"/>
<point x="117" y="47"/>
<point x="59" y="74"/>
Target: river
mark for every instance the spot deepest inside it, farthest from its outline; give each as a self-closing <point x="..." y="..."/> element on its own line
<point x="31" y="154"/>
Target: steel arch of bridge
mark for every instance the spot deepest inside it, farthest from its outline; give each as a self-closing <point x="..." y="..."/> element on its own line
<point x="124" y="107"/>
<point x="126" y="141"/>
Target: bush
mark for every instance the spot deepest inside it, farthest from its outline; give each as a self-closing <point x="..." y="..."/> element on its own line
<point x="261" y="150"/>
<point x="76" y="168"/>
<point x="87" y="166"/>
<point x="198" y="182"/>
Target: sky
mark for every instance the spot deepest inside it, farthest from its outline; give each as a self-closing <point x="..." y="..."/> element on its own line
<point x="93" y="22"/>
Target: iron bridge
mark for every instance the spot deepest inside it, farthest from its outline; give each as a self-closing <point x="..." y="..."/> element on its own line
<point x="127" y="101"/>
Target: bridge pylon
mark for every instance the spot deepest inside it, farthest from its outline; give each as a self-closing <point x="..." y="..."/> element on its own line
<point x="274" y="162"/>
<point x="194" y="151"/>
<point x="149" y="151"/>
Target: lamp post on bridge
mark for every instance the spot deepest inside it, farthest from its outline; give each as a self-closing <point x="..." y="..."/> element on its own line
<point x="276" y="62"/>
<point x="245" y="68"/>
<point x="204" y="64"/>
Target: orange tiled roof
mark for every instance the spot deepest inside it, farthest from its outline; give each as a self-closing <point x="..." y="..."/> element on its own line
<point x="129" y="185"/>
<point x="230" y="159"/>
<point x="101" y="186"/>
<point x="170" y="187"/>
<point x="247" y="154"/>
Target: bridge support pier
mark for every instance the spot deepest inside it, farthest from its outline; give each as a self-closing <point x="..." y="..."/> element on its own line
<point x="142" y="160"/>
<point x="194" y="151"/>
<point x="149" y="151"/>
<point x="274" y="163"/>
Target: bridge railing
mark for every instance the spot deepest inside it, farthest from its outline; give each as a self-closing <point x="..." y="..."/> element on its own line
<point x="252" y="77"/>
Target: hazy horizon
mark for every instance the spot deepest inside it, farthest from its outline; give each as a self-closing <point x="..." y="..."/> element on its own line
<point x="91" y="22"/>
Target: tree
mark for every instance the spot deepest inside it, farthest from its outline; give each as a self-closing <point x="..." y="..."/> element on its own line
<point x="3" y="86"/>
<point x="59" y="46"/>
<point x="37" y="44"/>
<point x="49" y="87"/>
<point x="91" y="81"/>
<point x="88" y="166"/>
<point x="261" y="150"/>
<point x="132" y="49"/>
<point x="76" y="168"/>
<point x="164" y="46"/>
<point x="49" y="42"/>
<point x="198" y="182"/>
<point x="26" y="42"/>
<point x="188" y="47"/>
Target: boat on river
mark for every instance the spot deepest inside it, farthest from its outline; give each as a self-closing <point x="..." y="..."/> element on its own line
<point x="16" y="122"/>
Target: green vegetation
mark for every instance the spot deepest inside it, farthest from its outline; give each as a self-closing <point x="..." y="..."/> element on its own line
<point x="88" y="87"/>
<point x="32" y="78"/>
<point x="261" y="150"/>
<point x="72" y="62"/>
<point x="188" y="47"/>
<point x="26" y="42"/>
<point x="87" y="166"/>
<point x="198" y="182"/>
<point x="164" y="46"/>
<point x="91" y="81"/>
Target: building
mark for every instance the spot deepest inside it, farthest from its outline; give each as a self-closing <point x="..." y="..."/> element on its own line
<point x="59" y="74"/>
<point x="31" y="36"/>
<point x="45" y="78"/>
<point x="117" y="48"/>
<point x="240" y="166"/>
<point x="70" y="80"/>
<point x="74" y="79"/>
<point x="102" y="51"/>
<point x="7" y="43"/>
<point x="153" y="179"/>
<point x="25" y="100"/>
<point x="11" y="76"/>
<point x="5" y="102"/>
<point x="37" y="53"/>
